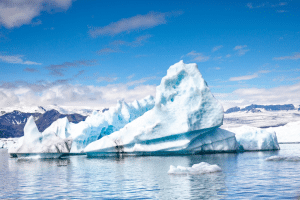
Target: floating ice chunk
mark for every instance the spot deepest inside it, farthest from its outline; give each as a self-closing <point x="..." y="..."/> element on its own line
<point x="35" y="142"/>
<point x="283" y="158"/>
<point x="287" y="133"/>
<point x="185" y="111"/>
<point x="201" y="168"/>
<point x="254" y="139"/>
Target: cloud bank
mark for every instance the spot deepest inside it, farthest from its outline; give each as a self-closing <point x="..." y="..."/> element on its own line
<point x="15" y="13"/>
<point x="17" y="59"/>
<point x="288" y="94"/>
<point x="62" y="93"/>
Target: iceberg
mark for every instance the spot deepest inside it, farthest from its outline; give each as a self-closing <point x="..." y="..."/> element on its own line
<point x="201" y="168"/>
<point x="288" y="133"/>
<point x="284" y="158"/>
<point x="35" y="142"/>
<point x="255" y="139"/>
<point x="184" y="120"/>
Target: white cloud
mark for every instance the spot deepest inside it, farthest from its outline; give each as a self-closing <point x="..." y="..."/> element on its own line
<point x="64" y="94"/>
<point x="114" y="47"/>
<point x="288" y="94"/>
<point x="241" y="49"/>
<point x="130" y="76"/>
<point x="106" y="79"/>
<point x="199" y="57"/>
<point x="15" y="13"/>
<point x="296" y="56"/>
<point x="106" y="51"/>
<point x="216" y="48"/>
<point x="17" y="59"/>
<point x="265" y="5"/>
<point x="281" y="11"/>
<point x="243" y="78"/>
<point x="249" y="77"/>
<point x="138" y="22"/>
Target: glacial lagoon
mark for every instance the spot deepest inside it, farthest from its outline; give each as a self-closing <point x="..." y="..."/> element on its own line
<point x="244" y="176"/>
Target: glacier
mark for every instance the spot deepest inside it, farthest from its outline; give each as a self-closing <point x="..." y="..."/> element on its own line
<point x="201" y="168"/>
<point x="184" y="120"/>
<point x="35" y="142"/>
<point x="253" y="139"/>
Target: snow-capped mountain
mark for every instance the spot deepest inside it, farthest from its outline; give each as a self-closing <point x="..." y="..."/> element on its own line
<point x="259" y="108"/>
<point x="85" y="111"/>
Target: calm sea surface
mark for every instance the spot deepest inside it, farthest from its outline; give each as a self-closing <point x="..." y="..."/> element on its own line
<point x="243" y="176"/>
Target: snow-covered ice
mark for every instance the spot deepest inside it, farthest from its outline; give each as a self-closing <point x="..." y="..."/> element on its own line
<point x="252" y="138"/>
<point x="201" y="168"/>
<point x="184" y="119"/>
<point x="287" y="133"/>
<point x="101" y="124"/>
<point x="6" y="143"/>
<point x="260" y="119"/>
<point x="35" y="142"/>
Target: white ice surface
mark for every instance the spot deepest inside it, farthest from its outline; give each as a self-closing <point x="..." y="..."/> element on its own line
<point x="287" y="133"/>
<point x="101" y="124"/>
<point x="201" y="168"/>
<point x="260" y="119"/>
<point x="253" y="139"/>
<point x="184" y="118"/>
<point x="35" y="142"/>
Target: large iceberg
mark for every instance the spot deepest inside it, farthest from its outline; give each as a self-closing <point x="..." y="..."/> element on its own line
<point x="185" y="119"/>
<point x="254" y="139"/>
<point x="34" y="142"/>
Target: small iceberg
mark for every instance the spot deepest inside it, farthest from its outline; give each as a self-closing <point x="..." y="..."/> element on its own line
<point x="255" y="139"/>
<point x="37" y="145"/>
<point x="201" y="168"/>
<point x="284" y="158"/>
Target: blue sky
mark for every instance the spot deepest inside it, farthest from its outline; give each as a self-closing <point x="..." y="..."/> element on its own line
<point x="92" y="53"/>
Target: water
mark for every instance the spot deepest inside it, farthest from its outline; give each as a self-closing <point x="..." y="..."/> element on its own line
<point x="244" y="176"/>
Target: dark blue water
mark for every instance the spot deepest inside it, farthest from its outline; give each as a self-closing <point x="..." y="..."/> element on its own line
<point x="243" y="176"/>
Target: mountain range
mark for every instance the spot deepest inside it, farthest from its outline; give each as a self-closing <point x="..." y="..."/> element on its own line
<point x="258" y="108"/>
<point x="12" y="124"/>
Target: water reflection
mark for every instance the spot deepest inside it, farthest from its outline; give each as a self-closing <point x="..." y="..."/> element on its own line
<point x="246" y="175"/>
